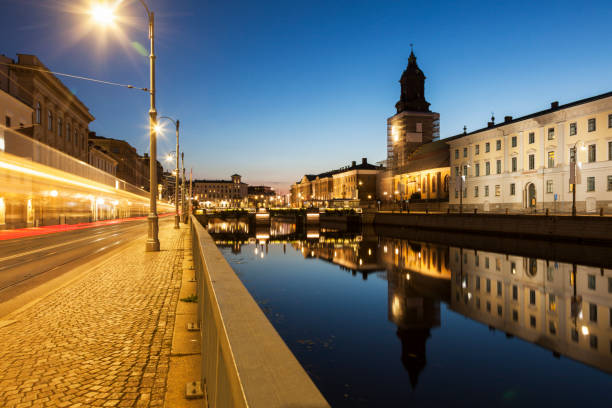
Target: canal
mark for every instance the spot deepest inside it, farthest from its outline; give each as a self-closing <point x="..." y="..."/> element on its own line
<point x="387" y="319"/>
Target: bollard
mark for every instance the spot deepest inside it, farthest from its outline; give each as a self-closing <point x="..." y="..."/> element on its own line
<point x="547" y="212"/>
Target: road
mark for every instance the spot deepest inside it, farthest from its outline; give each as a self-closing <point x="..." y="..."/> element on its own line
<point x="26" y="263"/>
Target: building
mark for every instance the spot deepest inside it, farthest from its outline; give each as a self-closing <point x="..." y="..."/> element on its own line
<point x="261" y="196"/>
<point x="221" y="193"/>
<point x="523" y="164"/>
<point x="130" y="165"/>
<point x="100" y="159"/>
<point x="350" y="185"/>
<point x="60" y="119"/>
<point x="15" y="116"/>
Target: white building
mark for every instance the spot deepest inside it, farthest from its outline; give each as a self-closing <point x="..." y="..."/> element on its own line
<point x="524" y="164"/>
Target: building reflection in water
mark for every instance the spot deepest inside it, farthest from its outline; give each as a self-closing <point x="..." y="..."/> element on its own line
<point x="565" y="308"/>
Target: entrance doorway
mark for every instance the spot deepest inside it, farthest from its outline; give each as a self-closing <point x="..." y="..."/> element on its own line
<point x="531" y="195"/>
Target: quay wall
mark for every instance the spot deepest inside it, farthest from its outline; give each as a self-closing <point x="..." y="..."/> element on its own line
<point x="245" y="363"/>
<point x="564" y="228"/>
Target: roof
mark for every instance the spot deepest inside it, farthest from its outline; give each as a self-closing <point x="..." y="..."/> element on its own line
<point x="431" y="155"/>
<point x="364" y="165"/>
<point x="217" y="181"/>
<point x="534" y="115"/>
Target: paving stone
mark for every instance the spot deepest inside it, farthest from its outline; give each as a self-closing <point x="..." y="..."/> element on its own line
<point x="103" y="340"/>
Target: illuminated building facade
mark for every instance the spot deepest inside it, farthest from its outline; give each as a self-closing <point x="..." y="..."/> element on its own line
<point x="351" y="184"/>
<point x="523" y="164"/>
<point x="408" y="131"/>
<point x="60" y="119"/>
<point x="221" y="193"/>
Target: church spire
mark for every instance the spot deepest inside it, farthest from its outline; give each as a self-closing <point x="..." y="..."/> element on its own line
<point x="413" y="88"/>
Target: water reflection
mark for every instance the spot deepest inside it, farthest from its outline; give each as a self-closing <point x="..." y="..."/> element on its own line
<point x="563" y="307"/>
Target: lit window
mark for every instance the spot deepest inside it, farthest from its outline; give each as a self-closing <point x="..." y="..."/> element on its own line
<point x="549" y="186"/>
<point x="551" y="159"/>
<point x="497" y="190"/>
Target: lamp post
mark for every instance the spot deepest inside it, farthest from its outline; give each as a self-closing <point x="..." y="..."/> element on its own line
<point x="183" y="205"/>
<point x="176" y="186"/>
<point x="104" y="14"/>
<point x="572" y="179"/>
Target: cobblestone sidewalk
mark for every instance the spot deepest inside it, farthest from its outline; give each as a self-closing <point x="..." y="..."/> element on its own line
<point x="103" y="340"/>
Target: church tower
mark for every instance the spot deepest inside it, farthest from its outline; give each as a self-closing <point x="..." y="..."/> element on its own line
<point x="414" y="124"/>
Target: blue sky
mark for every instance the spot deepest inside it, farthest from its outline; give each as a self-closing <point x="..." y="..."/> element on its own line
<point x="276" y="89"/>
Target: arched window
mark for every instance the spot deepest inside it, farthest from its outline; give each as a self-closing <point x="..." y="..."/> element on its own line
<point x="446" y="184"/>
<point x="50" y="120"/>
<point x="38" y="118"/>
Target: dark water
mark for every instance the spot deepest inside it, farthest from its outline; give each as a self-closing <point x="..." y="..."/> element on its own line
<point x="379" y="321"/>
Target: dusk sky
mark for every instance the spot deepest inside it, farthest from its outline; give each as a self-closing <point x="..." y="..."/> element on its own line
<point x="276" y="89"/>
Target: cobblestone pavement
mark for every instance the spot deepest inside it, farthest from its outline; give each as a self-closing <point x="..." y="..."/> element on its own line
<point x="103" y="340"/>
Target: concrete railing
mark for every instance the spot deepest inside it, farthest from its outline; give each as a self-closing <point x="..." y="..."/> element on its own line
<point x="245" y="363"/>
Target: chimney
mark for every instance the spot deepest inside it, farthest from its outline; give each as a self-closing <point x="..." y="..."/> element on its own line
<point x="364" y="160"/>
<point x="490" y="124"/>
<point x="554" y="105"/>
<point x="507" y="118"/>
<point x="353" y="163"/>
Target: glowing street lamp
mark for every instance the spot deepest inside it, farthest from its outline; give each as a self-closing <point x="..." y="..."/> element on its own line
<point x="168" y="158"/>
<point x="104" y="14"/>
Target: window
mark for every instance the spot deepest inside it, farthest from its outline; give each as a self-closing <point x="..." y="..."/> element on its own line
<point x="499" y="288"/>
<point x="532" y="321"/>
<point x="456" y="193"/>
<point x="531" y="137"/>
<point x="549" y="186"/>
<point x="514" y="164"/>
<point x="477" y="261"/>
<point x="478" y="283"/>
<point x="609" y="150"/>
<point x="465" y="152"/>
<point x="573" y="129"/>
<point x="551" y="159"/>
<point x="592" y="153"/>
<point x="488" y="286"/>
<point x="456" y="153"/>
<point x="465" y="173"/>
<point x="38" y="110"/>
<point x="593" y="312"/>
<point x="498" y="166"/>
<point x="591" y="127"/>
<point x="59" y="127"/>
<point x="513" y="268"/>
<point x="498" y="145"/>
<point x="575" y="335"/>
<point x="551" y="133"/>
<point x="531" y="162"/>
<point x="487" y="147"/>
<point x="513" y="141"/>
<point x="497" y="190"/>
<point x="487" y="168"/>
<point x="7" y="121"/>
<point x="486" y="191"/>
<point x="477" y="149"/>
<point x="590" y="183"/>
<point x="532" y="297"/>
<point x="515" y="315"/>
<point x="499" y="310"/>
<point x="456" y="170"/>
<point x="552" y="327"/>
<point x="68" y="131"/>
<point x="514" y="292"/>
<point x="477" y="170"/>
<point x="591" y="282"/>
<point x="488" y="306"/>
<point x="593" y="341"/>
<point x="610" y="121"/>
<point x="609" y="183"/>
<point x="512" y="189"/>
<point x="476" y="190"/>
<point x="478" y="302"/>
<point x="487" y="262"/>
<point x="50" y="120"/>
<point x="465" y="192"/>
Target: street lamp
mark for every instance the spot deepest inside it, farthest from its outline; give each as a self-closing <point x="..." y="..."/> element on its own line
<point x="176" y="188"/>
<point x="103" y="14"/>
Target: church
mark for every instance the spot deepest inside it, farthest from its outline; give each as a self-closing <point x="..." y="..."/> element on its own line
<point x="418" y="163"/>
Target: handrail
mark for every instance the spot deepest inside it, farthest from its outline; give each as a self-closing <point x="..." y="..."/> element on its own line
<point x="245" y="363"/>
